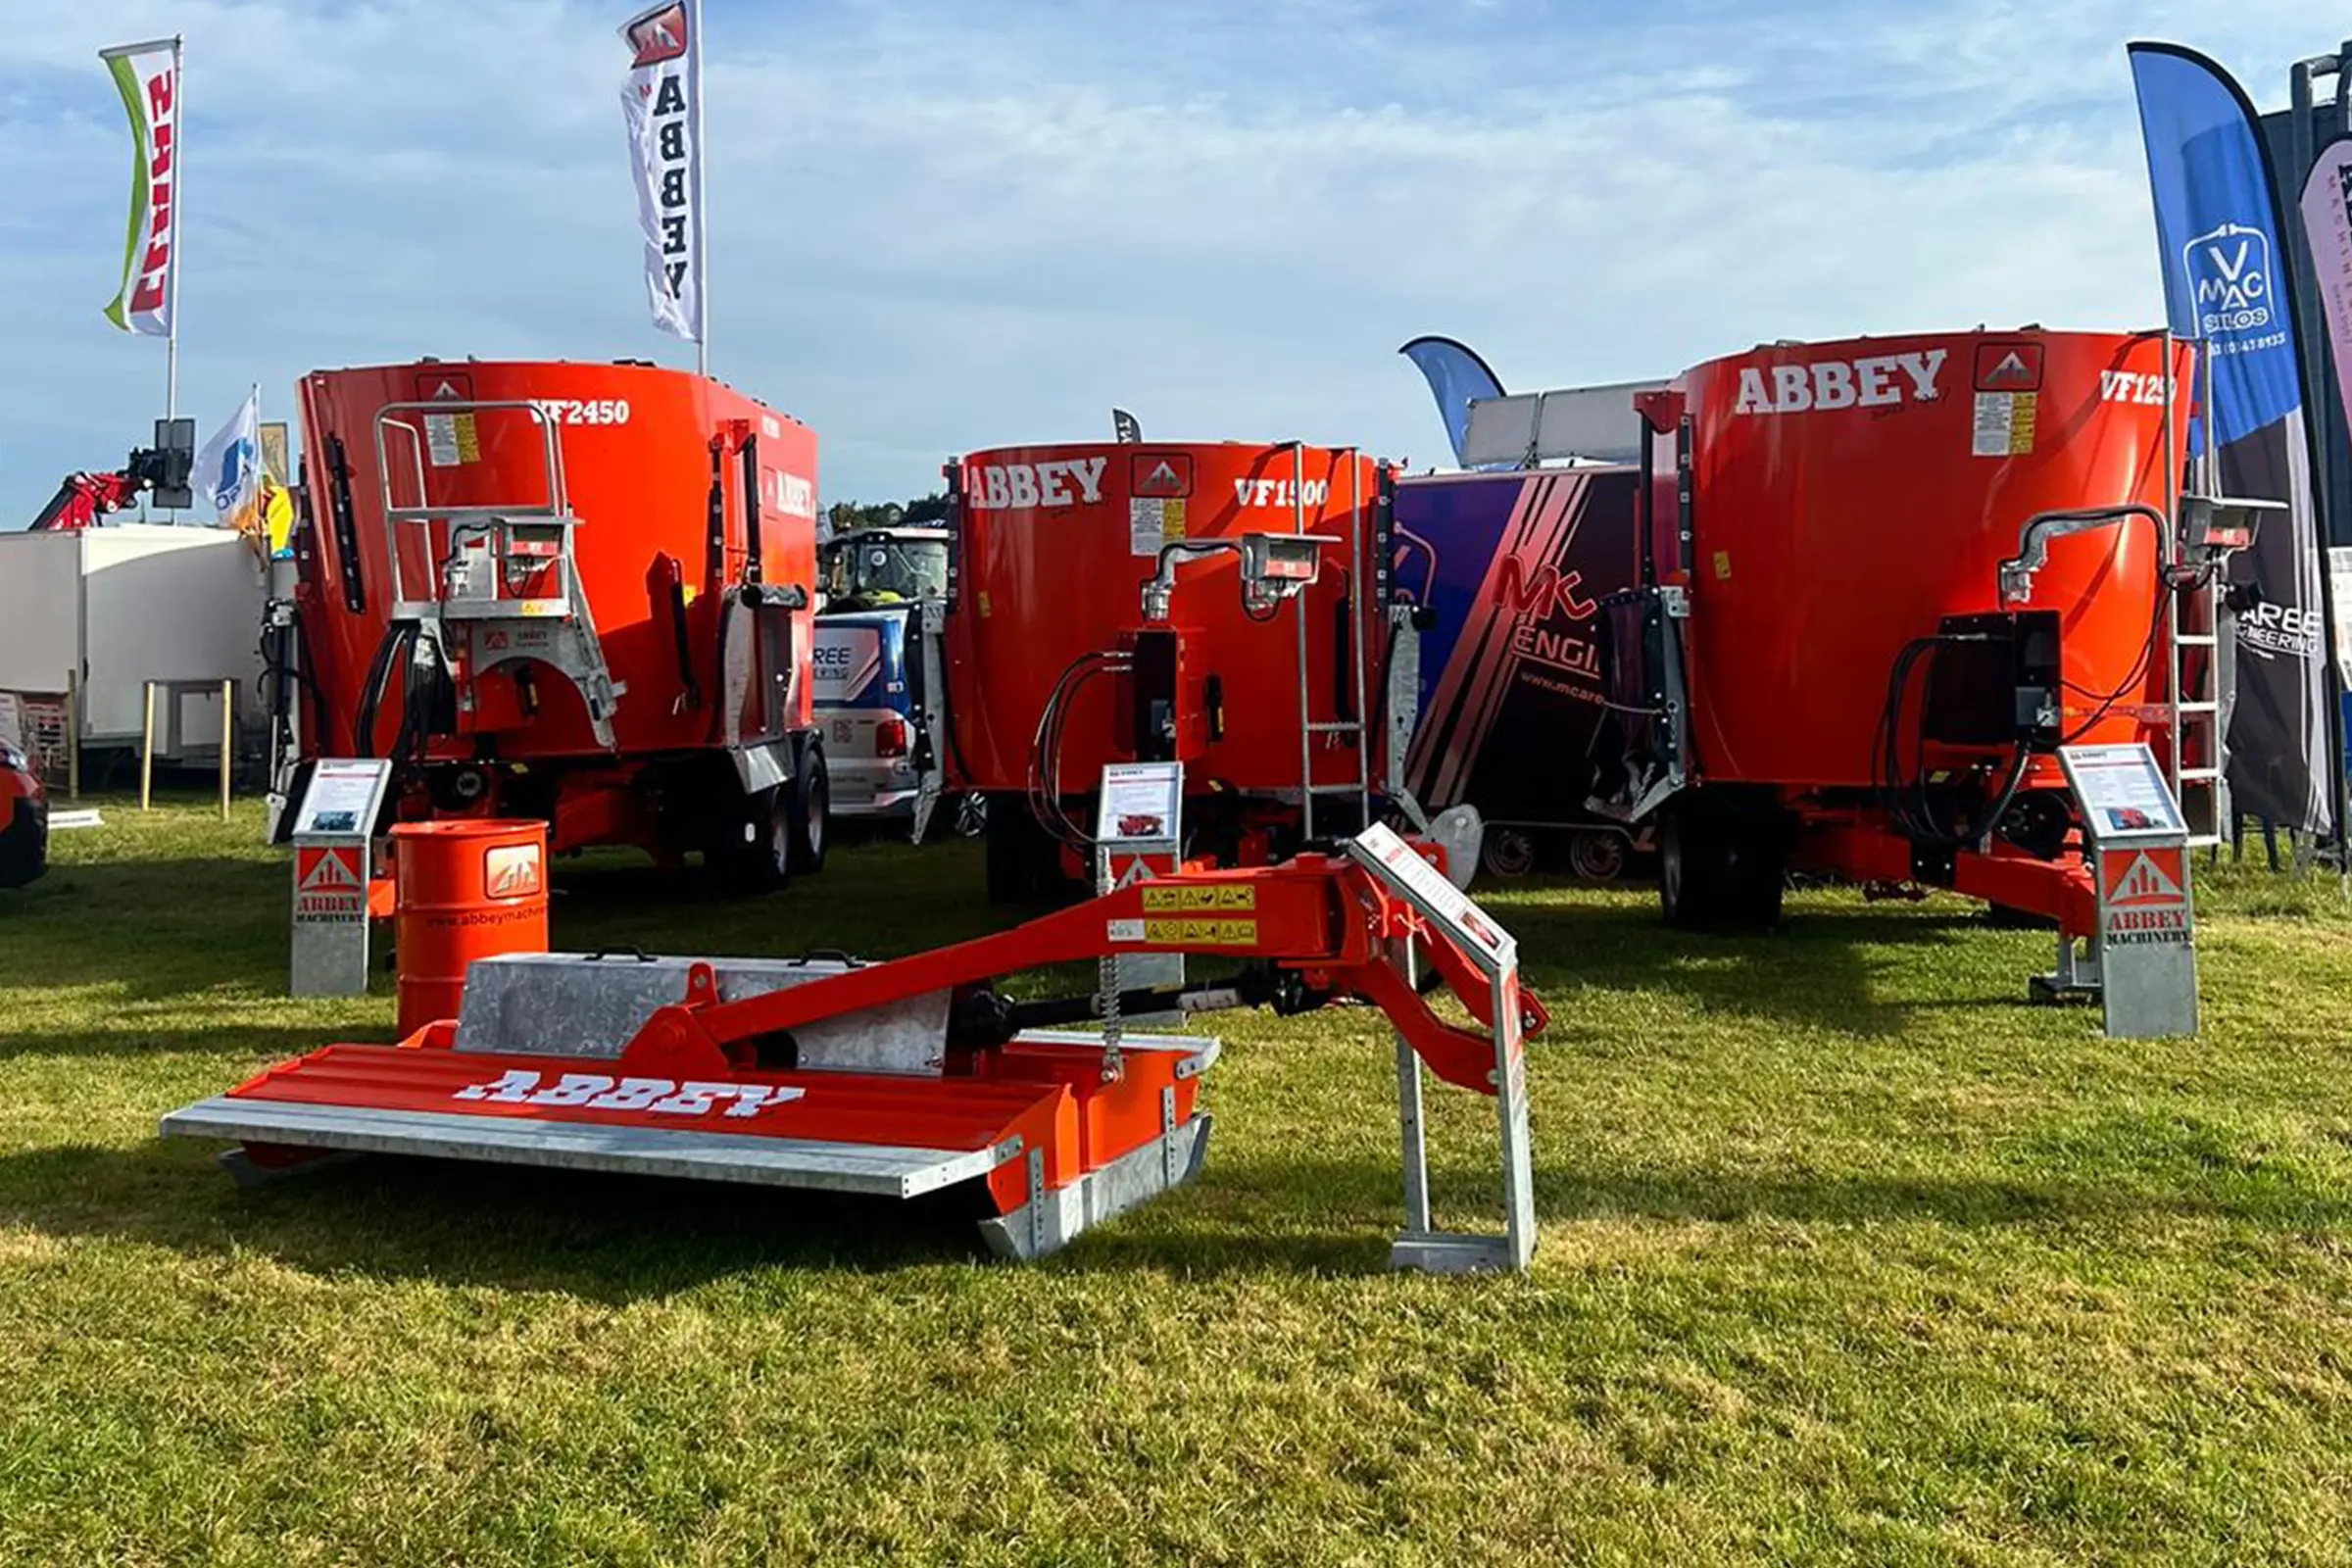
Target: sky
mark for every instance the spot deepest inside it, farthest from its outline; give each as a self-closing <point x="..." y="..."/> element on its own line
<point x="937" y="225"/>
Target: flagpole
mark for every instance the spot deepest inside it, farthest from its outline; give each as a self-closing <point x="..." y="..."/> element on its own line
<point x="180" y="174"/>
<point x="702" y="209"/>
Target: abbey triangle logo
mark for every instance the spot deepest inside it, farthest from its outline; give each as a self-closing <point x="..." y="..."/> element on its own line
<point x="330" y="870"/>
<point x="2144" y="882"/>
<point x="2009" y="367"/>
<point x="1162" y="476"/>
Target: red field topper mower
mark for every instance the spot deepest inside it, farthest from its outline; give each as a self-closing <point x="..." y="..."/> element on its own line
<point x="914" y="1075"/>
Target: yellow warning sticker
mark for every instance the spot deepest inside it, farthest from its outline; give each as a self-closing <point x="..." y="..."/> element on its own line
<point x="2003" y="427"/>
<point x="1208" y="933"/>
<point x="451" y="439"/>
<point x="1221" y="896"/>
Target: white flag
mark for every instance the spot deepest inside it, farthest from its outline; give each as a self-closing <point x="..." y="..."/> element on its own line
<point x="2327" y="224"/>
<point x="228" y="469"/>
<point x="148" y="76"/>
<point x="663" y="101"/>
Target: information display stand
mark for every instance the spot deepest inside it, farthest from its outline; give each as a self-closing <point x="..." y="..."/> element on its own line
<point x="1399" y="866"/>
<point x="1139" y="834"/>
<point x="333" y="834"/>
<point x="2141" y="961"/>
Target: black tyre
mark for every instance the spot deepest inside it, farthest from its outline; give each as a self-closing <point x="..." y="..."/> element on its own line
<point x="809" y="810"/>
<point x="23" y="843"/>
<point x="1721" y="870"/>
<point x="1689" y="869"/>
<point x="759" y="856"/>
<point x="1508" y="852"/>
<point x="1596" y="855"/>
<point x="1023" y="864"/>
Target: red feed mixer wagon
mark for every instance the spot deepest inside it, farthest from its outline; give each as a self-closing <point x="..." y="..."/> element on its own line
<point x="582" y="593"/>
<point x="1222" y="605"/>
<point x="1885" y="580"/>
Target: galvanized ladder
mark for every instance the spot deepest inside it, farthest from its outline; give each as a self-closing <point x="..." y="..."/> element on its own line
<point x="2193" y="751"/>
<point x="1316" y="733"/>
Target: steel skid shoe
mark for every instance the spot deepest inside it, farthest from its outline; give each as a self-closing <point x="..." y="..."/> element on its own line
<point x="914" y="1075"/>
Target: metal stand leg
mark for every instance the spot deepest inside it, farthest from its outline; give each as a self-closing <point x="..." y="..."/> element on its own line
<point x="2075" y="977"/>
<point x="1409" y="1129"/>
<point x="1421" y="1245"/>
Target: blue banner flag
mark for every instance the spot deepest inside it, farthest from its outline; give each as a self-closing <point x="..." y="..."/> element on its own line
<point x="2226" y="286"/>
<point x="1456" y="376"/>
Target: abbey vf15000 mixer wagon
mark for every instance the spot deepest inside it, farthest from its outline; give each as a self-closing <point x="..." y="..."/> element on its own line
<point x="582" y="593"/>
<point x="1093" y="617"/>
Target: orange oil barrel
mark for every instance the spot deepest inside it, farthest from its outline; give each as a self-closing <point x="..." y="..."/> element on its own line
<point x="466" y="888"/>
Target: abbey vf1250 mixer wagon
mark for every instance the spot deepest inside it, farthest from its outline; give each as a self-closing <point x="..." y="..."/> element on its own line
<point x="582" y="593"/>
<point x="1094" y="617"/>
<point x="1886" y="582"/>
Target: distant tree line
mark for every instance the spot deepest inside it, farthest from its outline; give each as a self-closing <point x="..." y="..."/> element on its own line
<point x="847" y="517"/>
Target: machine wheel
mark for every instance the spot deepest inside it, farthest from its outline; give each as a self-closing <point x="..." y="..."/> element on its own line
<point x="1508" y="852"/>
<point x="1720" y="870"/>
<point x="760" y="858"/>
<point x="970" y="818"/>
<point x="809" y="810"/>
<point x="23" y="843"/>
<point x="1596" y="855"/>
<point x="1024" y="865"/>
<point x="1688" y="868"/>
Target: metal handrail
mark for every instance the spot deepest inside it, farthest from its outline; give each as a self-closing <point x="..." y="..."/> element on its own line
<point x="556" y="506"/>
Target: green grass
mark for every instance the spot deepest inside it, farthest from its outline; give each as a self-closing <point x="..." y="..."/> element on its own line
<point x="1847" y="1255"/>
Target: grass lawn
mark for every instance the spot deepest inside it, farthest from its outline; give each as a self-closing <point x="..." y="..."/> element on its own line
<point x="1847" y="1255"/>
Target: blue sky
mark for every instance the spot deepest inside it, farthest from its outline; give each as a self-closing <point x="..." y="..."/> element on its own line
<point x="937" y="225"/>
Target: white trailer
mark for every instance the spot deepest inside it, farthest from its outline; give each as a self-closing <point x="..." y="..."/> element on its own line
<point x="119" y="607"/>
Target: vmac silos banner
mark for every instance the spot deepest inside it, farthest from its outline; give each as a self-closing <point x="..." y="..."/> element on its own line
<point x="663" y="101"/>
<point x="2224" y="283"/>
<point x="148" y="76"/>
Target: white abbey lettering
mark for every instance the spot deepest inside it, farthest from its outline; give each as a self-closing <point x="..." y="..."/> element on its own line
<point x="998" y="487"/>
<point x="1830" y="384"/>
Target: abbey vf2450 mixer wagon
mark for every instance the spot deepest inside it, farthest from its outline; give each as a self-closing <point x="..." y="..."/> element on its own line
<point x="1094" y="617"/>
<point x="577" y="592"/>
<point x="1885" y="583"/>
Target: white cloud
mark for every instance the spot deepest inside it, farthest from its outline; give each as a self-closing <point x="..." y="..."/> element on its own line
<point x="935" y="231"/>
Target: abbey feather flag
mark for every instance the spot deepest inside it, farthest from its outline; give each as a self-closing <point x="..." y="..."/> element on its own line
<point x="2226" y="283"/>
<point x="147" y="74"/>
<point x="663" y="101"/>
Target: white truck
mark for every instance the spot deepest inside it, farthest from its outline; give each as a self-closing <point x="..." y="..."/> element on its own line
<point x="120" y="606"/>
